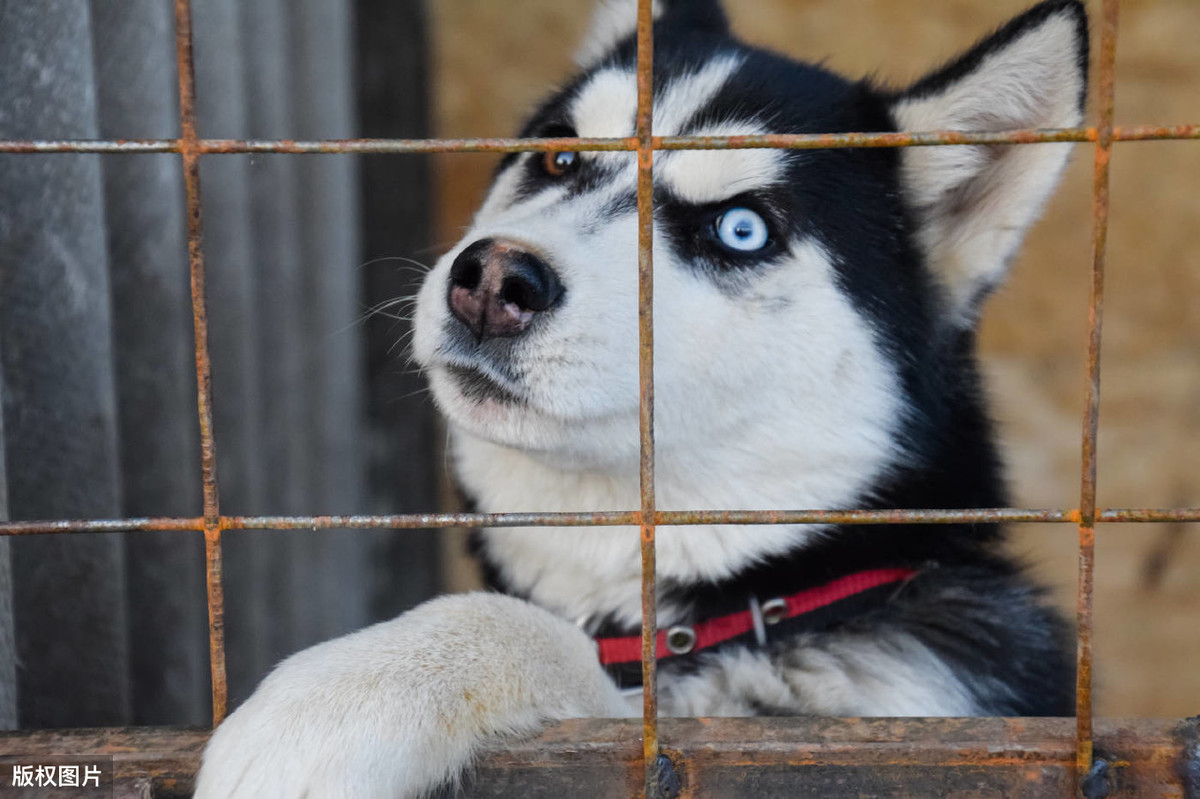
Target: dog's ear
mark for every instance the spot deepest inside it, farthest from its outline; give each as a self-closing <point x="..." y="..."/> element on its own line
<point x="974" y="203"/>
<point x="614" y="20"/>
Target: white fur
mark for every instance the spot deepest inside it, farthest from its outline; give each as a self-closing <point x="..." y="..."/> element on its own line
<point x="398" y="708"/>
<point x="976" y="203"/>
<point x="606" y="105"/>
<point x="729" y="401"/>
<point x="612" y="21"/>
<point x="893" y="675"/>
<point x="689" y="93"/>
<point x="581" y="381"/>
<point x="794" y="445"/>
<point x="709" y="176"/>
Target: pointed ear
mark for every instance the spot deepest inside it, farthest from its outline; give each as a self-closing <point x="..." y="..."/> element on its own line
<point x="975" y="203"/>
<point x="614" y="20"/>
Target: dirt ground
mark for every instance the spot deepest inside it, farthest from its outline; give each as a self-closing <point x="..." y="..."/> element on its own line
<point x="493" y="60"/>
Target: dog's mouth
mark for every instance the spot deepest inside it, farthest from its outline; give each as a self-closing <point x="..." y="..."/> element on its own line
<point x="478" y="386"/>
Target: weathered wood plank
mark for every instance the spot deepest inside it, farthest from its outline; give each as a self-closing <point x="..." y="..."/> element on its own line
<point x="761" y="758"/>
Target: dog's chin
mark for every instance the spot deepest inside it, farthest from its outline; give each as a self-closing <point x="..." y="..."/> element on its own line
<point x="484" y="408"/>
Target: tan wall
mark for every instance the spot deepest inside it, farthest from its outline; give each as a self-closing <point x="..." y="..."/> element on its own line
<point x="493" y="60"/>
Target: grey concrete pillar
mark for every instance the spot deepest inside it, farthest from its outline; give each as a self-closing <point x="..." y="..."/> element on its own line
<point x="280" y="314"/>
<point x="152" y="333"/>
<point x="322" y="66"/>
<point x="59" y="401"/>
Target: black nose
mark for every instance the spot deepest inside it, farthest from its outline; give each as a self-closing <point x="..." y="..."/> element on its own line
<point x="498" y="287"/>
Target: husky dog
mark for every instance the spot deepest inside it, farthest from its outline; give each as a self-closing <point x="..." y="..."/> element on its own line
<point x="815" y="321"/>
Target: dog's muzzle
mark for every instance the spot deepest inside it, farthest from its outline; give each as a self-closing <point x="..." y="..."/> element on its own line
<point x="497" y="288"/>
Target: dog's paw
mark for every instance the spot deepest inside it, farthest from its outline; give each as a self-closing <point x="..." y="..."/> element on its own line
<point x="399" y="708"/>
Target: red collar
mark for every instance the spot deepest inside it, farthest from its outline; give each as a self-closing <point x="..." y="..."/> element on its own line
<point x="616" y="651"/>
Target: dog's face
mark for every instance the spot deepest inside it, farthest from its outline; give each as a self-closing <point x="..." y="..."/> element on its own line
<point x="746" y="289"/>
<point x="805" y="301"/>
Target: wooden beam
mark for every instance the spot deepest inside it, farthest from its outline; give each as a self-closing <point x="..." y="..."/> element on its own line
<point x="762" y="757"/>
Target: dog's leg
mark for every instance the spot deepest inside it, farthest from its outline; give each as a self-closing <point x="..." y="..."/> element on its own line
<point x="399" y="708"/>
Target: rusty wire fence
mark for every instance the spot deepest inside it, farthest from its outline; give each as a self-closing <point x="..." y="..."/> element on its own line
<point x="1131" y="756"/>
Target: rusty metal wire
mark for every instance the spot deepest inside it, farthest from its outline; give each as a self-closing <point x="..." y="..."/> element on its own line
<point x="1105" y="96"/>
<point x="645" y="212"/>
<point x="191" y="147"/>
<point x="204" y="400"/>
<point x="794" y="141"/>
<point x="423" y="521"/>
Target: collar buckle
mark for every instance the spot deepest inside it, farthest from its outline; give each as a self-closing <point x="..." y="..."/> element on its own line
<point x="762" y="614"/>
<point x="681" y="640"/>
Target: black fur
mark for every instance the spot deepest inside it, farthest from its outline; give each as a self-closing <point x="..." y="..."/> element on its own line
<point x="694" y="16"/>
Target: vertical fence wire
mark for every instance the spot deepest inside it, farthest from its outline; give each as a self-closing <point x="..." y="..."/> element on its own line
<point x="645" y="207"/>
<point x="190" y="156"/>
<point x="1105" y="96"/>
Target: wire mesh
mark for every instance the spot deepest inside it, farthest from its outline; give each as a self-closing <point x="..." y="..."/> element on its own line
<point x="191" y="147"/>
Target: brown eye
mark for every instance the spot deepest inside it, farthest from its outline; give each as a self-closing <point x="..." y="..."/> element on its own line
<point x="559" y="163"/>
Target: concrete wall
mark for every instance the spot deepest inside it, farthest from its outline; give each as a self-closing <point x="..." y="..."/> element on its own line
<point x="1034" y="334"/>
<point x="98" y="418"/>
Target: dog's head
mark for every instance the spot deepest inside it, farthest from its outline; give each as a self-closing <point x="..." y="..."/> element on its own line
<point x="810" y="306"/>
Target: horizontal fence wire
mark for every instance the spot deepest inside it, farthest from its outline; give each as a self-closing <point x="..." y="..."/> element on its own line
<point x="425" y="521"/>
<point x="792" y="141"/>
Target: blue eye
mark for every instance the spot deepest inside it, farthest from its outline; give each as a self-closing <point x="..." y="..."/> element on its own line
<point x="743" y="230"/>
